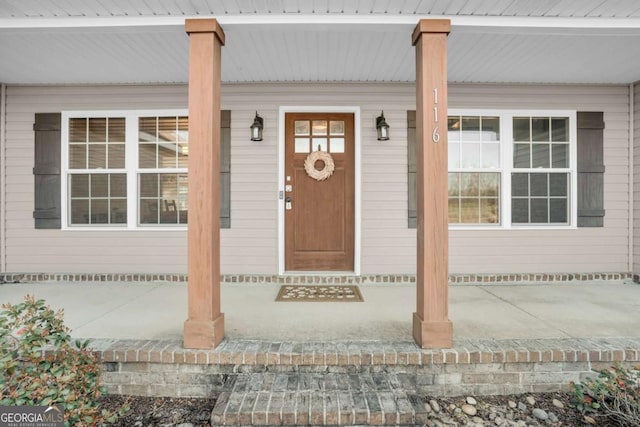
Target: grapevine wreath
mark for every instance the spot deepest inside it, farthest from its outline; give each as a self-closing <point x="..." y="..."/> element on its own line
<point x="310" y="165"/>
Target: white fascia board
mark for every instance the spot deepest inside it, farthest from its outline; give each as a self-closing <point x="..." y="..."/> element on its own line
<point x="328" y="19"/>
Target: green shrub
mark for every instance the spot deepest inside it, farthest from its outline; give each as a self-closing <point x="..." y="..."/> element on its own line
<point x="614" y="396"/>
<point x="42" y="366"/>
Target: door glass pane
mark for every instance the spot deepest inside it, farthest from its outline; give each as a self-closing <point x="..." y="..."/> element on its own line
<point x="336" y="145"/>
<point x="319" y="144"/>
<point x="302" y="127"/>
<point x="319" y="127"/>
<point x="337" y="128"/>
<point x="301" y="145"/>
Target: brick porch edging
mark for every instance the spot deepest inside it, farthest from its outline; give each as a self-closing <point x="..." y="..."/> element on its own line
<point x="164" y="368"/>
<point x="320" y="279"/>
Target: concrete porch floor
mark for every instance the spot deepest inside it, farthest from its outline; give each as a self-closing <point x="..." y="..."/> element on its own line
<point x="156" y="311"/>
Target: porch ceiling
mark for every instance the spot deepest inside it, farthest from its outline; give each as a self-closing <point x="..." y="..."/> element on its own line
<point x="71" y="46"/>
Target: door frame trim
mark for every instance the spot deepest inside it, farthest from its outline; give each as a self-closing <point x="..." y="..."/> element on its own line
<point x="357" y="184"/>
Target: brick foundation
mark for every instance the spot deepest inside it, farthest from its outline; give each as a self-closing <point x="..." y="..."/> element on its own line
<point x="479" y="367"/>
<point x="320" y="279"/>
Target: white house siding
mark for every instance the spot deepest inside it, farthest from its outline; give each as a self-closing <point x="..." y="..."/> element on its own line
<point x="30" y="250"/>
<point x="581" y="250"/>
<point x="636" y="179"/>
<point x="250" y="246"/>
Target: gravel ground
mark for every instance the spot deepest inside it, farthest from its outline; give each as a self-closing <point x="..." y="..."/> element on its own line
<point x="533" y="410"/>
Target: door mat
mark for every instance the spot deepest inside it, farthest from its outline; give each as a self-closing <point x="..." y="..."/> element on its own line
<point x="301" y="293"/>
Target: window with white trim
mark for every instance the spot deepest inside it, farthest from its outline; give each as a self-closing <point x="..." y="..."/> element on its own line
<point x="125" y="169"/>
<point x="163" y="152"/>
<point x="474" y="164"/>
<point x="541" y="174"/>
<point x="512" y="169"/>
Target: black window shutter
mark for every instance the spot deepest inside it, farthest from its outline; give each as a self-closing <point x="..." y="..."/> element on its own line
<point x="225" y="169"/>
<point x="590" y="169"/>
<point x="46" y="171"/>
<point x="411" y="169"/>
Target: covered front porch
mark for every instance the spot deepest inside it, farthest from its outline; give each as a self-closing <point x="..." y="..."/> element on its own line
<point x="309" y="49"/>
<point x="508" y="339"/>
<point x="113" y="311"/>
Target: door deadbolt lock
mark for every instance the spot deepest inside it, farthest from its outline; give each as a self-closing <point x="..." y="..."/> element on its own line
<point x="287" y="203"/>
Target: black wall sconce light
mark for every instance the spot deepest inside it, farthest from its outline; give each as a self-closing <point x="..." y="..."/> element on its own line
<point x="256" y="128"/>
<point x="382" y="127"/>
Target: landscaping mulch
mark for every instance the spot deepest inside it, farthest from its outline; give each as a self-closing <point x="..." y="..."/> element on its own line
<point x="192" y="412"/>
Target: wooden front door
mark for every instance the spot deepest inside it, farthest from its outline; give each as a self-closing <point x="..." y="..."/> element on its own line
<point x="319" y="214"/>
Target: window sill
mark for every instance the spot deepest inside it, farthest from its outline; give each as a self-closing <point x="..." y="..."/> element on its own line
<point x="103" y="229"/>
<point x="513" y="227"/>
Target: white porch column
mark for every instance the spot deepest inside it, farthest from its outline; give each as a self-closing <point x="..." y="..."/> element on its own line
<point x="431" y="325"/>
<point x="205" y="326"/>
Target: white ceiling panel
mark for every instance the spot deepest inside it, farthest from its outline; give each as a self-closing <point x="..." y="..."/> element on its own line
<point x="93" y="57"/>
<point x="322" y="53"/>
<point x="143" y="41"/>
<point x="116" y="8"/>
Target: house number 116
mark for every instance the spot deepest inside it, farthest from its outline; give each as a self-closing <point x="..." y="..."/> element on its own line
<point x="435" y="136"/>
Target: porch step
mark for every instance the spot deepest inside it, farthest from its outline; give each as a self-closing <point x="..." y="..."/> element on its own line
<point x="318" y="399"/>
